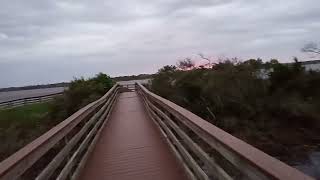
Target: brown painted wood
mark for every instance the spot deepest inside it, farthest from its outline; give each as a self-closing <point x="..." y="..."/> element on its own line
<point x="250" y="160"/>
<point x="131" y="147"/>
<point x="15" y="165"/>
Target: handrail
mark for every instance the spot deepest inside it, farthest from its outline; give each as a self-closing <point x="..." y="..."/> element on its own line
<point x="32" y="97"/>
<point x="28" y="100"/>
<point x="250" y="161"/>
<point x="22" y="160"/>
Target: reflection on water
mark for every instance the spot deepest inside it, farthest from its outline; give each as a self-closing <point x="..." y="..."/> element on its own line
<point x="311" y="166"/>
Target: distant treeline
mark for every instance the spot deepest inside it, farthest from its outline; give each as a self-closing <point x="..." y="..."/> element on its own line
<point x="133" y="77"/>
<point x="63" y="84"/>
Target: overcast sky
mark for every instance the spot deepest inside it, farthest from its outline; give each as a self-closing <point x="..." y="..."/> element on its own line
<point x="46" y="41"/>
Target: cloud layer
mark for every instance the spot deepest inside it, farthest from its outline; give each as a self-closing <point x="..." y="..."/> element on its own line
<point x="56" y="40"/>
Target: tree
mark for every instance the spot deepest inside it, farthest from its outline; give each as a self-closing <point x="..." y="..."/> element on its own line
<point x="207" y="59"/>
<point x="186" y="64"/>
<point x="80" y="93"/>
<point x="255" y="63"/>
<point x="311" y="48"/>
<point x="274" y="61"/>
<point x="167" y="68"/>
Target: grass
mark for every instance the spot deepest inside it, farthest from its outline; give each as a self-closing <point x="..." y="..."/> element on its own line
<point x="21" y="125"/>
<point x="29" y="115"/>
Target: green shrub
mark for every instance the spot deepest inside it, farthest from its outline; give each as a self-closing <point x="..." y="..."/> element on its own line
<point x="80" y="93"/>
<point x="21" y="125"/>
<point x="235" y="97"/>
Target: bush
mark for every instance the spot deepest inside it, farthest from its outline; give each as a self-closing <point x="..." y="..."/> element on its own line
<point x="80" y="93"/>
<point x="21" y="125"/>
<point x="237" y="98"/>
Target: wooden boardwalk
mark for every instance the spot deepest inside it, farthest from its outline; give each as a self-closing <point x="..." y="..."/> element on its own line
<point x="131" y="147"/>
<point x="124" y="143"/>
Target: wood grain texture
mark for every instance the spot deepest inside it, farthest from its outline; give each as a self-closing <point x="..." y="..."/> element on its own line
<point x="131" y="147"/>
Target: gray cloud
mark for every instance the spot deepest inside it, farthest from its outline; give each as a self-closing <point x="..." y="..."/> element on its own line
<point x="55" y="40"/>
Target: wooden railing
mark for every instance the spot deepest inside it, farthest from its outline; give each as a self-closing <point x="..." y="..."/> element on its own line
<point x="28" y="100"/>
<point x="208" y="152"/>
<point x="62" y="151"/>
<point x="129" y="86"/>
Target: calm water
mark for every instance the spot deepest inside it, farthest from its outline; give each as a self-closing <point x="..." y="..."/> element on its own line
<point x="12" y="95"/>
<point x="311" y="166"/>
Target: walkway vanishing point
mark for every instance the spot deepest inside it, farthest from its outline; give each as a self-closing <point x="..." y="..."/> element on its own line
<point x="131" y="133"/>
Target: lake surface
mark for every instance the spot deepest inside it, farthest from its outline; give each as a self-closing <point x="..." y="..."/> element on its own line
<point x="311" y="166"/>
<point x="12" y="95"/>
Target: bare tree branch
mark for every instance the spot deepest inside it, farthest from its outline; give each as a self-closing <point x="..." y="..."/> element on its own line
<point x="185" y="64"/>
<point x="205" y="58"/>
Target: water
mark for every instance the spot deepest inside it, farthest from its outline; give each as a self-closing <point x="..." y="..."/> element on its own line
<point x="311" y="166"/>
<point x="12" y="95"/>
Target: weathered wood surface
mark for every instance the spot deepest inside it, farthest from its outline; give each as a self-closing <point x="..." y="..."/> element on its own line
<point x="131" y="147"/>
<point x="251" y="162"/>
<point x="14" y="166"/>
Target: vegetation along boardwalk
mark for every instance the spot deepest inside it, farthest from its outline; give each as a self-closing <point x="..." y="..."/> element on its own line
<point x="131" y="133"/>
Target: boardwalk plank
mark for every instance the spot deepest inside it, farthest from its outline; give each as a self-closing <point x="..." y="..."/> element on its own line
<point x="131" y="147"/>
